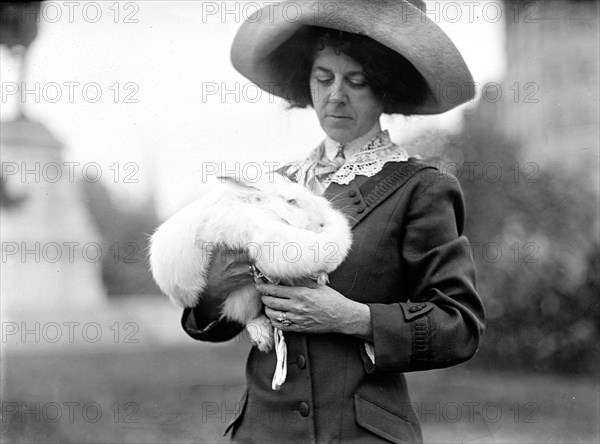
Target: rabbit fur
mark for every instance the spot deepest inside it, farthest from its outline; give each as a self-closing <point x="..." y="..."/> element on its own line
<point x="288" y="232"/>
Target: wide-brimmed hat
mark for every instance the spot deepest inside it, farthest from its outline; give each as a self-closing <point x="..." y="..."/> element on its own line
<point x="401" y="25"/>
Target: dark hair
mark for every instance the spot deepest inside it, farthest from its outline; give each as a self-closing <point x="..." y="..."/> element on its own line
<point x="392" y="78"/>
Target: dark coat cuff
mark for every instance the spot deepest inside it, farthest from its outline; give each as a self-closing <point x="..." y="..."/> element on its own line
<point x="210" y="330"/>
<point x="401" y="336"/>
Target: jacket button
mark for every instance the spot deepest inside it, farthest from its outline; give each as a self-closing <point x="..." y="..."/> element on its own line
<point x="304" y="408"/>
<point x="301" y="361"/>
<point x="360" y="209"/>
<point x="356" y="201"/>
<point x="416" y="308"/>
<point x="351" y="193"/>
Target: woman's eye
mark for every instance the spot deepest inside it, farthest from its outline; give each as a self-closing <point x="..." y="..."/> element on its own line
<point x="357" y="83"/>
<point x="324" y="81"/>
<point x="292" y="201"/>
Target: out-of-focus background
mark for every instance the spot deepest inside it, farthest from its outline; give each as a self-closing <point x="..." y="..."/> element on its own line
<point x="116" y="114"/>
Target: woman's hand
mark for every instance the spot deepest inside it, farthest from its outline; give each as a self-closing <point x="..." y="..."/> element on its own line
<point x="315" y="308"/>
<point x="228" y="271"/>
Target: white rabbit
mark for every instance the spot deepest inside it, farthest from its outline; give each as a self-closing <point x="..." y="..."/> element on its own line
<point x="289" y="233"/>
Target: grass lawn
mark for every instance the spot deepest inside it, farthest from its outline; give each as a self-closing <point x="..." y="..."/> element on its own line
<point x="187" y="393"/>
<point x="166" y="388"/>
<point x="118" y="397"/>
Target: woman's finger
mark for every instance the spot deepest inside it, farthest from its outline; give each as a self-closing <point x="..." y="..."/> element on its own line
<point x="272" y="314"/>
<point x="280" y="291"/>
<point x="306" y="282"/>
<point x="277" y="303"/>
<point x="276" y="315"/>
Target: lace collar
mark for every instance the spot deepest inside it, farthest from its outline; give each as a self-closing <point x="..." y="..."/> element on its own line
<point x="369" y="159"/>
<point x="316" y="171"/>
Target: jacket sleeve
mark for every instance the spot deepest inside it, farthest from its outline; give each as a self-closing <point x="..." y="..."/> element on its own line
<point x="442" y="322"/>
<point x="202" y="328"/>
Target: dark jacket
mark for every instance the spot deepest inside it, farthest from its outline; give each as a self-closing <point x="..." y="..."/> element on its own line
<point x="412" y="266"/>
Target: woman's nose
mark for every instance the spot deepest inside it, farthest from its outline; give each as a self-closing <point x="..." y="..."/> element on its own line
<point x="338" y="92"/>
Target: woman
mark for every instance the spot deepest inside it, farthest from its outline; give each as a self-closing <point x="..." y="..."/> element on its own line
<point x="405" y="298"/>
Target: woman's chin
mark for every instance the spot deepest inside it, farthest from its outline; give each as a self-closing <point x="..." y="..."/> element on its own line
<point x="341" y="133"/>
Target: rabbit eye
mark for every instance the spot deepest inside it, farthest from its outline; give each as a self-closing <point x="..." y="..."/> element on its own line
<point x="292" y="201"/>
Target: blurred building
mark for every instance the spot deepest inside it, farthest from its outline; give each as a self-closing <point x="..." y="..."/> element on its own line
<point x="549" y="98"/>
<point x="51" y="251"/>
<point x="537" y="204"/>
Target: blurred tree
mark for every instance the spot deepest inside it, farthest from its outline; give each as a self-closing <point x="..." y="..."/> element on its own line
<point x="18" y="22"/>
<point x="7" y="200"/>
<point x="126" y="232"/>
<point x="534" y="236"/>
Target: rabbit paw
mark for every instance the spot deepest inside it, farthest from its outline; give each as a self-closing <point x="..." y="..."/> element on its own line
<point x="260" y="332"/>
<point x="322" y="278"/>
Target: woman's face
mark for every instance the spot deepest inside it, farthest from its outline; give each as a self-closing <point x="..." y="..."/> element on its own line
<point x="344" y="102"/>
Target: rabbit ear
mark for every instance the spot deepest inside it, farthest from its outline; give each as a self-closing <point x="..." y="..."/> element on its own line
<point x="265" y="183"/>
<point x="271" y="182"/>
<point x="239" y="184"/>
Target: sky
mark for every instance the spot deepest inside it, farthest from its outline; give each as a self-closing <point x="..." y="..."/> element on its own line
<point x="135" y="87"/>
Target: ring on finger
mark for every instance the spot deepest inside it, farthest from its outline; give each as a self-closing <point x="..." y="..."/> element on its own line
<point x="284" y="320"/>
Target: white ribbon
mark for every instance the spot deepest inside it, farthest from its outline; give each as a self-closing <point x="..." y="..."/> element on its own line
<point x="281" y="366"/>
<point x="280" y="346"/>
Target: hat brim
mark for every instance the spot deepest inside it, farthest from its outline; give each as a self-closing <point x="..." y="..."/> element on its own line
<point x="397" y="24"/>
